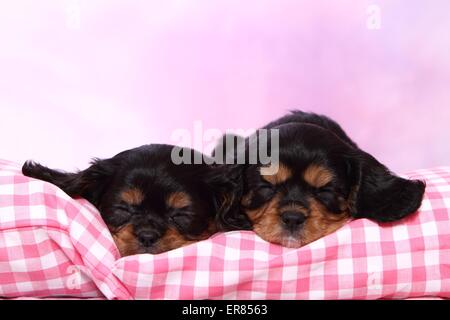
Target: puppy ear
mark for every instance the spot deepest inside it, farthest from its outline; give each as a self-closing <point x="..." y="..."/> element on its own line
<point x="88" y="184"/>
<point x="227" y="185"/>
<point x="380" y="195"/>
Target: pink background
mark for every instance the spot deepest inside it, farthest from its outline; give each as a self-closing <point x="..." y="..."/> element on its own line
<point x="85" y="78"/>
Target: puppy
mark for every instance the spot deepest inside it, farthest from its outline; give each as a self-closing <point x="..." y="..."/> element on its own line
<point x="323" y="180"/>
<point x="150" y="204"/>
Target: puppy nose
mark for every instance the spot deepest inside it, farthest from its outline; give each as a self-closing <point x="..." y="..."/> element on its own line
<point x="147" y="238"/>
<point x="292" y="219"/>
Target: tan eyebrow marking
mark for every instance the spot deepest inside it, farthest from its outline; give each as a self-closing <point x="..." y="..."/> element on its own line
<point x="317" y="176"/>
<point x="281" y="176"/>
<point x="132" y="196"/>
<point x="179" y="200"/>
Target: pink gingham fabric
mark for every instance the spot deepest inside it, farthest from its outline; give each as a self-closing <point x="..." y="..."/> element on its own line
<point x="55" y="246"/>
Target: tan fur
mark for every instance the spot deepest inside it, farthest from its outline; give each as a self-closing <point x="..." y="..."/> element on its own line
<point x="317" y="176"/>
<point x="178" y="200"/>
<point x="132" y="196"/>
<point x="282" y="175"/>
<point x="266" y="221"/>
<point x="127" y="243"/>
<point x="125" y="240"/>
<point x="321" y="222"/>
<point x="294" y="207"/>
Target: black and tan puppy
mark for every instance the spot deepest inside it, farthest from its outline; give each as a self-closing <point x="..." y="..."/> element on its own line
<point x="323" y="180"/>
<point x="150" y="204"/>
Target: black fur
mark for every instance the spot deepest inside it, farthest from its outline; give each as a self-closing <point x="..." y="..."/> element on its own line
<point x="382" y="196"/>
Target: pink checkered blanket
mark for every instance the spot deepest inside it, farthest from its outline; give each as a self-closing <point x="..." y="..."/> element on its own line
<point x="54" y="246"/>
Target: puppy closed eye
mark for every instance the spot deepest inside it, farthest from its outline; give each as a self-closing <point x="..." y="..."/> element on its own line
<point x="259" y="196"/>
<point x="120" y="216"/>
<point x="330" y="198"/>
<point x="324" y="191"/>
<point x="180" y="220"/>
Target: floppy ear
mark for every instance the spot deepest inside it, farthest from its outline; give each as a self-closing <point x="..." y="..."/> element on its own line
<point x="380" y="195"/>
<point x="227" y="185"/>
<point x="88" y="184"/>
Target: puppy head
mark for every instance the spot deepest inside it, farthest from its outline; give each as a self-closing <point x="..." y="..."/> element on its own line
<point x="321" y="183"/>
<point x="153" y="205"/>
<point x="150" y="204"/>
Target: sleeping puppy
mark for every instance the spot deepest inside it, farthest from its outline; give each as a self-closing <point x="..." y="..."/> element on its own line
<point x="323" y="180"/>
<point x="150" y="204"/>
